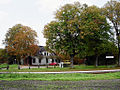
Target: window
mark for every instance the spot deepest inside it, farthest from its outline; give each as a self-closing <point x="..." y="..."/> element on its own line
<point x="34" y="60"/>
<point x="56" y="60"/>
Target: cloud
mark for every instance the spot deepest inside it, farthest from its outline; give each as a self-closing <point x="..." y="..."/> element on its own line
<point x="3" y="16"/>
<point x="47" y="9"/>
<point x="3" y="26"/>
<point x="5" y="1"/>
<point x="52" y="5"/>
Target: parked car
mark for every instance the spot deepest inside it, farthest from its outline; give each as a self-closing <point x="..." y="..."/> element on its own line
<point x="53" y="64"/>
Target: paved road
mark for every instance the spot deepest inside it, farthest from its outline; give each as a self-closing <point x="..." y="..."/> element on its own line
<point x="93" y="71"/>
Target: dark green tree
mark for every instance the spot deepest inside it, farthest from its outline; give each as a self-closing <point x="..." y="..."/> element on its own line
<point x="99" y="31"/>
<point x="64" y="35"/>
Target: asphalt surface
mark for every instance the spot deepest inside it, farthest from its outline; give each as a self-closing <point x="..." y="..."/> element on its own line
<point x="92" y="71"/>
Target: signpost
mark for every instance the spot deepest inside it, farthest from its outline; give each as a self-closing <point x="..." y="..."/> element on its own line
<point x="109" y="56"/>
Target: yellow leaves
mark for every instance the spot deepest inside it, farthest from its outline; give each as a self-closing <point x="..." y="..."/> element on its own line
<point x="22" y="38"/>
<point x="83" y="34"/>
<point x="33" y="49"/>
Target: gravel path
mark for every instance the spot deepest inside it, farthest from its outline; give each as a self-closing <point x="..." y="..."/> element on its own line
<point x="61" y="85"/>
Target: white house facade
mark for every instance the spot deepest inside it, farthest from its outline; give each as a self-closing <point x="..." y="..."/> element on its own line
<point x="42" y="57"/>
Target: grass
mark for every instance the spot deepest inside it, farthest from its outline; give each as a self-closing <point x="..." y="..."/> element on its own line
<point x="13" y="68"/>
<point x="3" y="65"/>
<point x="60" y="77"/>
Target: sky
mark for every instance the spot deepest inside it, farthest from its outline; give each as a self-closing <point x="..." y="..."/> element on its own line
<point x="33" y="13"/>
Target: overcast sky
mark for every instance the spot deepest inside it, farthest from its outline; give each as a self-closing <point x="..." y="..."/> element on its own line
<point x="33" y="13"/>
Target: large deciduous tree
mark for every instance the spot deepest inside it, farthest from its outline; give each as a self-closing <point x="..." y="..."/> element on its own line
<point x="112" y="11"/>
<point x="78" y="30"/>
<point x="21" y="41"/>
<point x="64" y="35"/>
<point x="99" y="31"/>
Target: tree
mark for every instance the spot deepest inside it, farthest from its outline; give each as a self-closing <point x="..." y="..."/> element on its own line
<point x="3" y="56"/>
<point x="98" y="28"/>
<point x="112" y="11"/>
<point x="21" y="41"/>
<point x="64" y="35"/>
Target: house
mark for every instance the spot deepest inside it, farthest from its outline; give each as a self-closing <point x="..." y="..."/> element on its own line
<point x="42" y="57"/>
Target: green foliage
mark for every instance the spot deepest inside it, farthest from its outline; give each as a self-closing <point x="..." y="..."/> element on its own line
<point x="79" y="31"/>
<point x="96" y="25"/>
<point x="64" y="35"/>
<point x="99" y="39"/>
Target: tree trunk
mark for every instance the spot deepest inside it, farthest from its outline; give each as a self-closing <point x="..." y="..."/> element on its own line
<point x="28" y="62"/>
<point x="71" y="60"/>
<point x="18" y="61"/>
<point x="118" y="53"/>
<point x="96" y="61"/>
<point x="18" y="66"/>
<point x="7" y="66"/>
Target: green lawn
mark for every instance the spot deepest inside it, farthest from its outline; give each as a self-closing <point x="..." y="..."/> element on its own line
<point x="55" y="77"/>
<point x="13" y="68"/>
<point x="3" y="65"/>
<point x="60" y="77"/>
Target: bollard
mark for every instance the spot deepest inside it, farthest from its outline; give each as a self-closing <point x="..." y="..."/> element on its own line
<point x="18" y="67"/>
<point x="61" y="64"/>
<point x="7" y="67"/>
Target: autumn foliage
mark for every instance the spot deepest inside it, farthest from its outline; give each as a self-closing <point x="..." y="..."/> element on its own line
<point x="21" y="41"/>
